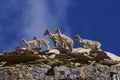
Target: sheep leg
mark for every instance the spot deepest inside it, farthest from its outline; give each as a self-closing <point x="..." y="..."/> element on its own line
<point x="61" y="40"/>
<point x="48" y="47"/>
<point x="28" y="46"/>
<point x="55" y="44"/>
<point x="39" y="45"/>
<point x="62" y="44"/>
<point x="97" y="48"/>
<point x="36" y="45"/>
<point x="69" y="47"/>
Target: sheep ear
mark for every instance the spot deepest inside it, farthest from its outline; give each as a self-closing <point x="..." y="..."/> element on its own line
<point x="22" y="39"/>
<point x="77" y="35"/>
<point x="47" y="29"/>
<point x="57" y="30"/>
<point x="35" y="36"/>
<point x="45" y="32"/>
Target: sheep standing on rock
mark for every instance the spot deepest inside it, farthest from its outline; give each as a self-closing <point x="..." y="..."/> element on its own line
<point x="65" y="40"/>
<point x="42" y="41"/>
<point x="29" y="44"/>
<point x="53" y="37"/>
<point x="88" y="44"/>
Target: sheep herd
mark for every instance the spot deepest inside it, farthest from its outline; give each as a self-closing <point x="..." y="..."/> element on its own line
<point x="62" y="40"/>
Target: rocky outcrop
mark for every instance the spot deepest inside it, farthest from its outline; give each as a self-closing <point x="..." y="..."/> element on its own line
<point x="46" y="72"/>
<point x="58" y="64"/>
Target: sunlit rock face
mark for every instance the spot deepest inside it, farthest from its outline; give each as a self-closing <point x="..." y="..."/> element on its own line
<point x="59" y="64"/>
<point x="113" y="56"/>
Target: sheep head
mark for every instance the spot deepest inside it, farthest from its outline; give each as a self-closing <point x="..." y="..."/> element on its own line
<point x="35" y="38"/>
<point x="23" y="40"/>
<point x="46" y="32"/>
<point x="77" y="37"/>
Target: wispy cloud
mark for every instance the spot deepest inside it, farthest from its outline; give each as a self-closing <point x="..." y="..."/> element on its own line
<point x="41" y="14"/>
<point x="24" y="19"/>
<point x="36" y="18"/>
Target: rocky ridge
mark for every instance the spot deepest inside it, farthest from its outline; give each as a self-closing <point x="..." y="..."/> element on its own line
<point x="59" y="64"/>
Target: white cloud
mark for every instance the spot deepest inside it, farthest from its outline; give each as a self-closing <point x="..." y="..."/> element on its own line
<point x="35" y="18"/>
<point x="30" y="17"/>
<point x="40" y="14"/>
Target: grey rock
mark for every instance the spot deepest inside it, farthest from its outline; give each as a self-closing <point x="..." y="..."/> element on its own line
<point x="45" y="72"/>
<point x="63" y="72"/>
<point x="39" y="72"/>
<point x="49" y="78"/>
<point x="64" y="66"/>
<point x="1" y="75"/>
<point x="116" y="76"/>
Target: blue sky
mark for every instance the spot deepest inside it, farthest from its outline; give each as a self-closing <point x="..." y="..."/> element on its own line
<point x="91" y="19"/>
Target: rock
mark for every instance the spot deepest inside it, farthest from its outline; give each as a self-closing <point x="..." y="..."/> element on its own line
<point x="63" y="72"/>
<point x="45" y="72"/>
<point x="1" y="75"/>
<point x="35" y="52"/>
<point x="99" y="56"/>
<point x="55" y="51"/>
<point x="112" y="56"/>
<point x="18" y="58"/>
<point x="49" y="78"/>
<point x="77" y="64"/>
<point x="94" y="72"/>
<point x="81" y="50"/>
<point x="2" y="64"/>
<point x="109" y="62"/>
<point x="59" y="64"/>
<point x="39" y="73"/>
<point x="52" y="56"/>
<point x="52" y="53"/>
